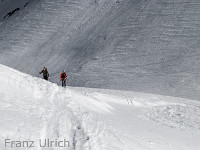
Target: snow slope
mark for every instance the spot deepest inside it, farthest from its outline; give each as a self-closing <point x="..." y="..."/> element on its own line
<point x="140" y="45"/>
<point x="7" y="6"/>
<point x="94" y="119"/>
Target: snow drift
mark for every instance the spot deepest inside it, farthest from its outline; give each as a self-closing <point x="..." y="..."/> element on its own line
<point x="95" y="119"/>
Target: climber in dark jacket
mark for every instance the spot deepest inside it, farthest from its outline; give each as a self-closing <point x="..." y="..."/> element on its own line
<point x="45" y="73"/>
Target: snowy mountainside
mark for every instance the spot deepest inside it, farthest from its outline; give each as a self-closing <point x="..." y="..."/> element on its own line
<point x="95" y="119"/>
<point x="139" y="45"/>
<point x="7" y="6"/>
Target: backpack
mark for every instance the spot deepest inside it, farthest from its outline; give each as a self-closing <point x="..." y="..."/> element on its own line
<point x="64" y="75"/>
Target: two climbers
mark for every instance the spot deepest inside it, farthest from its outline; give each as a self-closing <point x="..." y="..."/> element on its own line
<point x="63" y="76"/>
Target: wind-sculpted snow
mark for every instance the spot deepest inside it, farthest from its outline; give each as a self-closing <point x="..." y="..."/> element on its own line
<point x="178" y="116"/>
<point x="140" y="45"/>
<point x="33" y="109"/>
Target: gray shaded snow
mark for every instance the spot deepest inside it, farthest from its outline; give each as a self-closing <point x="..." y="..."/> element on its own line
<point x="139" y="45"/>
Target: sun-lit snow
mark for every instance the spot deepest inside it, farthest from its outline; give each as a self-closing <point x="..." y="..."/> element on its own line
<point x="147" y="46"/>
<point x="96" y="119"/>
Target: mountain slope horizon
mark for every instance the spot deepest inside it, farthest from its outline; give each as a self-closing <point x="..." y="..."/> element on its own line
<point x="138" y="45"/>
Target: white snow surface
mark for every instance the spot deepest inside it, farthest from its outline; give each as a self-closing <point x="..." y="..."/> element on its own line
<point x="140" y="45"/>
<point x="94" y="119"/>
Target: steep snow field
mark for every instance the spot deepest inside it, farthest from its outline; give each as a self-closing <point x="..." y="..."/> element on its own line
<point x="93" y="119"/>
<point x="140" y="45"/>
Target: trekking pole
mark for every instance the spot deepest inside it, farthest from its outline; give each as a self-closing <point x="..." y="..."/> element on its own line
<point x="67" y="80"/>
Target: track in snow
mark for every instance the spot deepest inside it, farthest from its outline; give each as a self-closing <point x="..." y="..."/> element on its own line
<point x="41" y="110"/>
